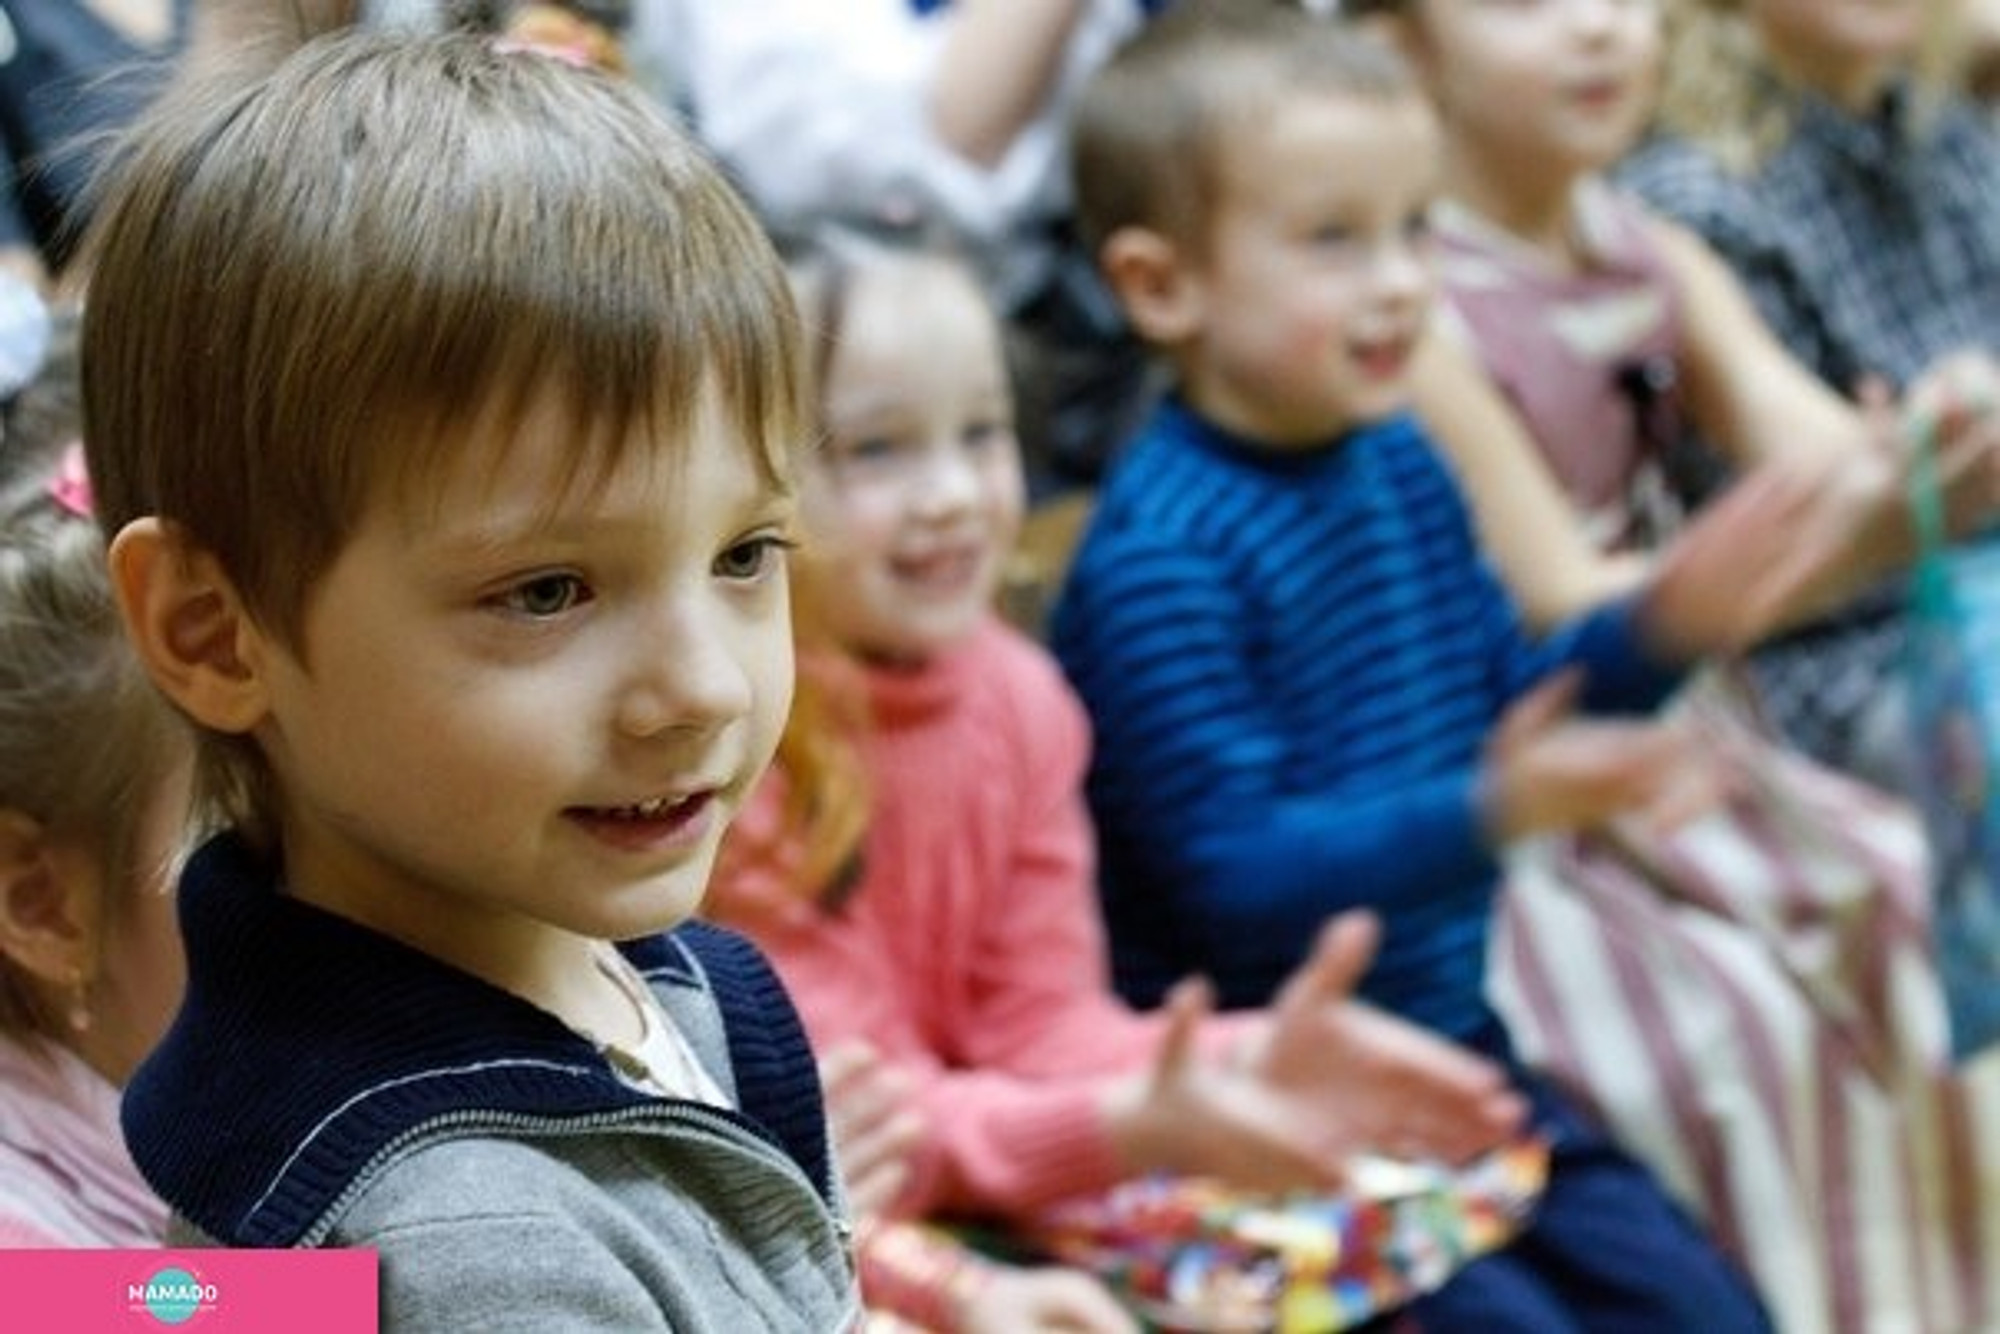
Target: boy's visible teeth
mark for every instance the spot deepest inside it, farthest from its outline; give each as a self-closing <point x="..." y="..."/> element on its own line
<point x="650" y="809"/>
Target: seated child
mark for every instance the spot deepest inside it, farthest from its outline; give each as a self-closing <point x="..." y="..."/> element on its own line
<point x="1310" y="693"/>
<point x="443" y="403"/>
<point x="1611" y="331"/>
<point x="93" y="792"/>
<point x="919" y="862"/>
<point x="1843" y="179"/>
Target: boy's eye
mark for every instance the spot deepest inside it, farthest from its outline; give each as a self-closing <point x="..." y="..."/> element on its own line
<point x="753" y="558"/>
<point x="546" y="595"/>
<point x="986" y="434"/>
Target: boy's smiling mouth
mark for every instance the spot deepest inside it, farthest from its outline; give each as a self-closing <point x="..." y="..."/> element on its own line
<point x="652" y="823"/>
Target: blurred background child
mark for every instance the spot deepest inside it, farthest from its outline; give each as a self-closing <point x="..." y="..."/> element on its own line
<point x="919" y="863"/>
<point x="1309" y="692"/>
<point x="945" y="118"/>
<point x="94" y="775"/>
<point x="1625" y="349"/>
<point x="1824" y="150"/>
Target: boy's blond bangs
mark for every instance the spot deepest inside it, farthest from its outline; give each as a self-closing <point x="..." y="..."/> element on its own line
<point x="315" y="288"/>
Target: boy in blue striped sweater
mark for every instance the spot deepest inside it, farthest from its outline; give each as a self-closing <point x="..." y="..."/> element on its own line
<point x="1310" y="693"/>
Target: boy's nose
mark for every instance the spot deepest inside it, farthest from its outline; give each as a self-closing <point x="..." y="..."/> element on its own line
<point x="686" y="676"/>
<point x="1402" y="273"/>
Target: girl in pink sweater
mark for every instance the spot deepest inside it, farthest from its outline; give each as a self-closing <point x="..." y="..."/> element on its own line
<point x="919" y="864"/>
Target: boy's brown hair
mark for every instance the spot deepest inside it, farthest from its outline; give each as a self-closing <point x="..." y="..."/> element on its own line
<point x="1153" y="129"/>
<point x="311" y="291"/>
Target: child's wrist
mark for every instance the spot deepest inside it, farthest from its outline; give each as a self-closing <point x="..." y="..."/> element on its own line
<point x="923" y="1274"/>
<point x="965" y="1286"/>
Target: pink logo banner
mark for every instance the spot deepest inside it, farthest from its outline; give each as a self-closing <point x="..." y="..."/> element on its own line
<point x="200" y="1291"/>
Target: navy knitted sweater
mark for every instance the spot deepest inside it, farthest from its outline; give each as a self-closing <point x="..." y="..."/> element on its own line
<point x="1292" y="660"/>
<point x="307" y="1045"/>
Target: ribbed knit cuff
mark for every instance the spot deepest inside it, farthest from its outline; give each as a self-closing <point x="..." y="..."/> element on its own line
<point x="1046" y="1149"/>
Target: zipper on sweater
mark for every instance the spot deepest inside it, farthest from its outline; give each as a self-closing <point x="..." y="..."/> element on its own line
<point x="716" y="1122"/>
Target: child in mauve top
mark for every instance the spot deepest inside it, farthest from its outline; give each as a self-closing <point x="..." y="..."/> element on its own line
<point x="93" y="794"/>
<point x="442" y="402"/>
<point x="1615" y="333"/>
<point x="947" y="916"/>
<point x="1309" y="691"/>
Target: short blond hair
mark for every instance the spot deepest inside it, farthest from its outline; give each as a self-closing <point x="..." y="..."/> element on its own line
<point x="1154" y="128"/>
<point x="310" y="290"/>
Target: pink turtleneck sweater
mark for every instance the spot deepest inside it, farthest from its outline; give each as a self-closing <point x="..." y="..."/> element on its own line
<point x="971" y="952"/>
<point x="65" y="1177"/>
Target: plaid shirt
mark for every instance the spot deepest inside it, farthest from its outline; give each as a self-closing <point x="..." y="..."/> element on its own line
<point x="1871" y="244"/>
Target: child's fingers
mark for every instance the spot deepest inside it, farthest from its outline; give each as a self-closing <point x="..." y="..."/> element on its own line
<point x="1538" y="709"/>
<point x="1342" y="953"/>
<point x="842" y="1062"/>
<point x="1190" y="1002"/>
<point x="1690" y="790"/>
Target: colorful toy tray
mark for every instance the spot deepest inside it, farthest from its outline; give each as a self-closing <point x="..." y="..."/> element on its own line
<point x="1194" y="1256"/>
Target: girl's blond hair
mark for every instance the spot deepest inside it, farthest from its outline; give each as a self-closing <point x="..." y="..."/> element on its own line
<point x="1718" y="87"/>
<point x="85" y="741"/>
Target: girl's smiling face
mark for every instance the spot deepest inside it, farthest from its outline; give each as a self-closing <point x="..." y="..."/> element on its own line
<point x="912" y="504"/>
<point x="1535" y="87"/>
<point x="1842" y="49"/>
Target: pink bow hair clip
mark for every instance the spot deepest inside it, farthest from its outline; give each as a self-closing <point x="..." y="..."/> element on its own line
<point x="70" y="487"/>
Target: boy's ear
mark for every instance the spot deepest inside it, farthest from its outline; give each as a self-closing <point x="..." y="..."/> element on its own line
<point x="185" y="618"/>
<point x="1160" y="295"/>
<point x="42" y="926"/>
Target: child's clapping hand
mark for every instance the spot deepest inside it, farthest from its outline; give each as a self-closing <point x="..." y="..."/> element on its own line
<point x="1373" y="1082"/>
<point x="874" y="1130"/>
<point x="1548" y="768"/>
<point x="1323" y="1079"/>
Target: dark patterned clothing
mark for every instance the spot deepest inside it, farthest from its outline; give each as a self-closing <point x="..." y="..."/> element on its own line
<point x="1871" y="244"/>
<point x="1293" y="661"/>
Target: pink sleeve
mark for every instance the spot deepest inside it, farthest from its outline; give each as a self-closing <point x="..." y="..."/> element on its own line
<point x="1011" y="1074"/>
<point x="1045" y="1004"/>
<point x="995" y="1141"/>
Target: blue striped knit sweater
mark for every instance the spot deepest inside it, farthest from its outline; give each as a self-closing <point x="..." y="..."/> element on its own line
<point x="1292" y="661"/>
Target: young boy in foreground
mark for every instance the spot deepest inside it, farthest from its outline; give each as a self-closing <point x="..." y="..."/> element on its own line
<point x="441" y="403"/>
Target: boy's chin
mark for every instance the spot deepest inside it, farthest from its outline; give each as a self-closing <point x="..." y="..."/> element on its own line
<point x="1360" y="416"/>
